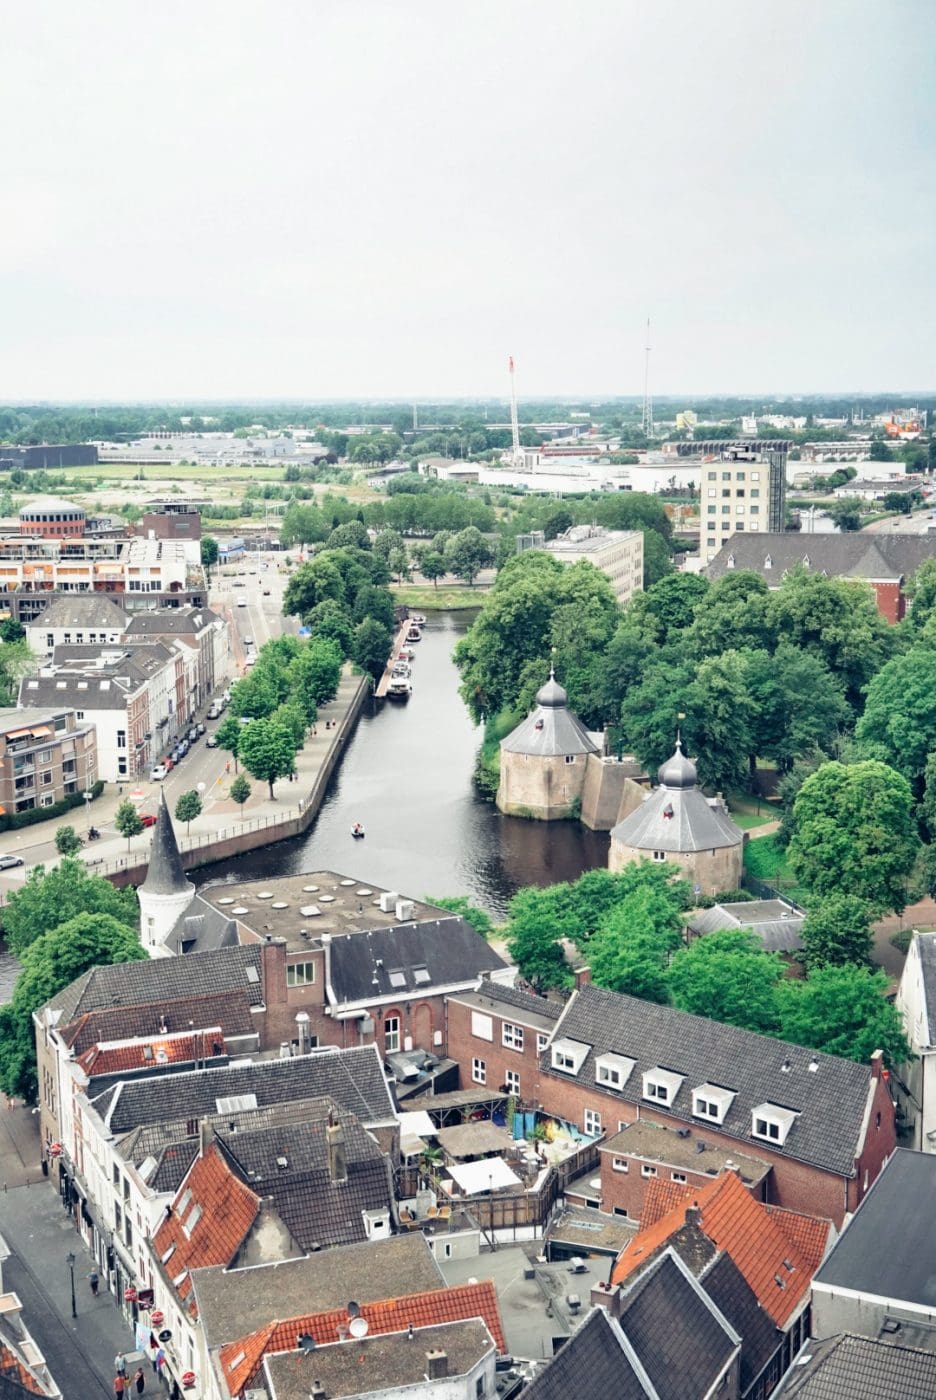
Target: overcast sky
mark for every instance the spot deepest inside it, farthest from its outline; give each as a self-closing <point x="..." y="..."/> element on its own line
<point x="386" y="197"/>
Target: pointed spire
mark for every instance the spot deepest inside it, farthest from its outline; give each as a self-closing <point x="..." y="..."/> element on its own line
<point x="165" y="874"/>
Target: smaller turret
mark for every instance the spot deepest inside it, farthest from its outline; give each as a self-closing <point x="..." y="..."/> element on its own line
<point x="165" y="894"/>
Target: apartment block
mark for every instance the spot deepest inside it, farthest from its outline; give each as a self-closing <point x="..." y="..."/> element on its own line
<point x="742" y="490"/>
<point x="45" y="755"/>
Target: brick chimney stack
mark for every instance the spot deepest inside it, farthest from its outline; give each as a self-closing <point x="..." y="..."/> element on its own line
<point x="335" y="1143"/>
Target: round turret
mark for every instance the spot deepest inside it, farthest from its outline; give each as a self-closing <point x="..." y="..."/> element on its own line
<point x="678" y="771"/>
<point x="551" y="695"/>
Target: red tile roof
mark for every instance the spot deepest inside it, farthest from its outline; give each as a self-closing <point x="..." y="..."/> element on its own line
<point x="228" y="1209"/>
<point x="240" y="1360"/>
<point x="152" y="1052"/>
<point x="659" y="1199"/>
<point x="11" y="1368"/>
<point x="811" y="1236"/>
<point x="762" y="1244"/>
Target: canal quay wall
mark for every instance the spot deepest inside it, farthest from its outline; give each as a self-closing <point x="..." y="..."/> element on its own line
<point x="236" y="836"/>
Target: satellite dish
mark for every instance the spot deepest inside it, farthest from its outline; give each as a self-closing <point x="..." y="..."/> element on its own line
<point x="358" y="1327"/>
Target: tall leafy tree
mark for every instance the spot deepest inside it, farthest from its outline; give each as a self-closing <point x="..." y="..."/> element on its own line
<point x="727" y="975"/>
<point x="239" y="791"/>
<point x="721" y="731"/>
<point x="128" y="821"/>
<point x="798" y="704"/>
<point x="312" y="583"/>
<point x="228" y="736"/>
<point x="854" y="832"/>
<point x="631" y="948"/>
<point x="844" y="1011"/>
<point x="533" y="940"/>
<point x="837" y="930"/>
<point x="370" y="647"/>
<point x="835" y="619"/>
<point x="51" y="897"/>
<point x="899" y="721"/>
<point x="332" y="622"/>
<point x="468" y="553"/>
<point x="267" y="750"/>
<point x="188" y="808"/>
<point x="314" y="675"/>
<point x="668" y="607"/>
<point x="732" y="616"/>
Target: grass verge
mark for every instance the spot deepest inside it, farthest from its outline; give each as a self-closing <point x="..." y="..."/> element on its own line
<point x="452" y="599"/>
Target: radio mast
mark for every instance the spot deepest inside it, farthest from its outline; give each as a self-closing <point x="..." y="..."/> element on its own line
<point x="646" y="421"/>
<point x="514" y="424"/>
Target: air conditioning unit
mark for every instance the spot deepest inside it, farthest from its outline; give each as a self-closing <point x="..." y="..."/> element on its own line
<point x="405" y="909"/>
<point x="388" y="901"/>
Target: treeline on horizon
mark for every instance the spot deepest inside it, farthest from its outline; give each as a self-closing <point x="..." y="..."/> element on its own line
<point x="29" y="424"/>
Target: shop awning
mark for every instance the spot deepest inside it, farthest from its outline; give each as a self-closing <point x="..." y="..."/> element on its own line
<point x="491" y="1174"/>
<point x="19" y="733"/>
<point x="42" y="733"/>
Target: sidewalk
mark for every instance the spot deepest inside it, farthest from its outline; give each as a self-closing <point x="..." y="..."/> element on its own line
<point x="41" y="1234"/>
<point x="221" y="813"/>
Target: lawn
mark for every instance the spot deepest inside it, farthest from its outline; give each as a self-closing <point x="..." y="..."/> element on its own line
<point x="748" y="821"/>
<point x="451" y="599"/>
<point x="766" y="860"/>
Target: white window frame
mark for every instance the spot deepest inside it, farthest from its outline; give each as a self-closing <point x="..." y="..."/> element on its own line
<point x="660" y="1086"/>
<point x="591" y="1122"/>
<point x="771" y="1123"/>
<point x="613" y="1071"/>
<point x="512" y="1080"/>
<point x="391" y="1031"/>
<point x="646" y="1170"/>
<point x="679" y="1177"/>
<point x="300" y="974"/>
<point x="482" y="1026"/>
<point x="620" y="1164"/>
<point x="478" y="1071"/>
<point x="512" y="1036"/>
<point x="711" y="1102"/>
<point x="569" y="1055"/>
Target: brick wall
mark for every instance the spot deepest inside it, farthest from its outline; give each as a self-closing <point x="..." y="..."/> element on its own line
<point x="464" y="1046"/>
<point x="796" y="1185"/>
<point x="891" y="602"/>
<point x="625" y="1190"/>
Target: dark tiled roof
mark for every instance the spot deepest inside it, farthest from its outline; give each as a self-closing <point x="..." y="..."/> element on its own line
<point x="726" y="1286"/>
<point x="164" y="874"/>
<point x="201" y="929"/>
<point x="592" y="1365"/>
<point x="159" y="980"/>
<point x="880" y="556"/>
<point x="854" y="1368"/>
<point x="233" y="1302"/>
<point x="677" y="819"/>
<point x="229" y="1010"/>
<point x="888" y="1247"/>
<point x="353" y="1078"/>
<point x="177" y="621"/>
<point x="830" y="1101"/>
<point x="288" y="1167"/>
<point x="680" y="1339"/>
<point x="499" y="995"/>
<point x="777" y="926"/>
<point x="172" y="1164"/>
<point x="89" y="610"/>
<point x="363" y="965"/>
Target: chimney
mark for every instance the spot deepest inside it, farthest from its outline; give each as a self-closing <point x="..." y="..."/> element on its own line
<point x="205" y="1136"/>
<point x="335" y="1142"/>
<point x="273" y="971"/>
<point x="877" y="1064"/>
<point x="583" y="976"/>
<point x="693" y="1215"/>
<point x="436" y="1365"/>
<point x="318" y="1391"/>
<point x="607" y="1296"/>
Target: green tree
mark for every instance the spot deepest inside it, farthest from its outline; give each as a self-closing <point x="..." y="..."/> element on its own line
<point x="721" y="731"/>
<point x="377" y="603"/>
<point x="727" y="976"/>
<point x="838" y="930"/>
<point x="666" y="609"/>
<point x="188" y="808"/>
<point x="480" y="921"/>
<point x="370" y="648"/>
<point x="798" y="705"/>
<point x="835" y="619"/>
<point x="468" y="553"/>
<point x="732" y="616"/>
<point x="302" y="524"/>
<point x="51" y="962"/>
<point x="351" y="534"/>
<point x="386" y="541"/>
<point x="921" y="590"/>
<point x="332" y="622"/>
<point x="240" y="790"/>
<point x="209" y="551"/>
<point x="292" y="715"/>
<point x="854" y="832"/>
<point x="844" y="1011"/>
<point x="533" y="940"/>
<point x="267" y="750"/>
<point x="16" y="660"/>
<point x="315" y="675"/>
<point x="399" y="566"/>
<point x="67" y="840"/>
<point x="11" y="631"/>
<point x="312" y="583"/>
<point x="49" y="897"/>
<point x="631" y="948"/>
<point x="228" y="736"/>
<point x="127" y="820"/>
<point x="658" y="561"/>
<point x="879" y="451"/>
<point x="432" y="566"/>
<point x="846" y="513"/>
<point x="899" y="721"/>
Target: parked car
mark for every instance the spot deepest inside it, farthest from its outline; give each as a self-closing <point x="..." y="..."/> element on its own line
<point x="211" y="741"/>
<point x="248" y="641"/>
<point x="226" y="697"/>
<point x="192" y="736"/>
<point x="158" y="773"/>
<point x="10" y="862"/>
<point x="242" y="602"/>
<point x="250" y="660"/>
<point x="182" y="749"/>
<point x="199" y="729"/>
<point x="266" y="593"/>
<point x="215" y="710"/>
<point x="147" y="819"/>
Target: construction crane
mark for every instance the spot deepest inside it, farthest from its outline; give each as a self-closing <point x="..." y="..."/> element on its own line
<point x="646" y="421"/>
<point x="517" y="455"/>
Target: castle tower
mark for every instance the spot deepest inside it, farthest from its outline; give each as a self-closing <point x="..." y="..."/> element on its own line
<point x="165" y="894"/>
<point x="543" y="760"/>
<point x="679" y="824"/>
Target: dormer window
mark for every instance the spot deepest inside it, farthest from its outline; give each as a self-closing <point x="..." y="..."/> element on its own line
<point x="661" y="1086"/>
<point x="771" y="1123"/>
<point x="768" y="562"/>
<point x="712" y="1102"/>
<point x="569" y="1055"/>
<point x="730" y="561"/>
<point x="613" y="1071"/>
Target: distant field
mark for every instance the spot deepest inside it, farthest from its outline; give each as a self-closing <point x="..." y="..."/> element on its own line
<point x="452" y="599"/>
<point x="124" y="471"/>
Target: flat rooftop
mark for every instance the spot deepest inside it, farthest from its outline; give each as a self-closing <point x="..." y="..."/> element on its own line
<point x="589" y="541"/>
<point x="382" y="1363"/>
<point x="300" y="908"/>
<point x="888" y="1248"/>
<point x="490" y="1001"/>
<point x="652" y="1143"/>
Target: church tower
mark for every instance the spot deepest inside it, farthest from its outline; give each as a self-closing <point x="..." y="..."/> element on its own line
<point x="165" y="894"/>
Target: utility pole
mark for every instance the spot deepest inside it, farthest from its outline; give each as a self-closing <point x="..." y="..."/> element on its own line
<point x="514" y="424"/>
<point x="647" y="416"/>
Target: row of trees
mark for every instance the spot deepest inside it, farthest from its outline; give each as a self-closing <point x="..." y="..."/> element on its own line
<point x="628" y="927"/>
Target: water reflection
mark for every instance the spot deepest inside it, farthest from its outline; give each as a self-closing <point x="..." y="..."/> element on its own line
<point x="407" y="776"/>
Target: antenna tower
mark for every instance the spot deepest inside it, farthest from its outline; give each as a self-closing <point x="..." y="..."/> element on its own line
<point x="514" y="424"/>
<point x="646" y="421"/>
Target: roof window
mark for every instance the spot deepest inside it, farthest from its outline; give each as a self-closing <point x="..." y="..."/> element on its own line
<point x="771" y="1123"/>
<point x="421" y="976"/>
<point x="397" y="979"/>
<point x="712" y="1102"/>
<point x="569" y="1055"/>
<point x="613" y="1071"/>
<point x="234" y="1103"/>
<point x="661" y="1085"/>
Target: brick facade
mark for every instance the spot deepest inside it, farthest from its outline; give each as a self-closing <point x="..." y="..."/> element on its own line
<point x="625" y="1178"/>
<point x="498" y="1054"/>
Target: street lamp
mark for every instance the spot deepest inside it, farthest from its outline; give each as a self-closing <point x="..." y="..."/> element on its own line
<point x="87" y="795"/>
<point x="70" y="1261"/>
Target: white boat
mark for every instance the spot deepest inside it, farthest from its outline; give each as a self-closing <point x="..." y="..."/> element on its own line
<point x="399" y="688"/>
<point x="414" y="634"/>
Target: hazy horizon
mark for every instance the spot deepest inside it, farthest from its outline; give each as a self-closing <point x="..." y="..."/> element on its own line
<point x="347" y="201"/>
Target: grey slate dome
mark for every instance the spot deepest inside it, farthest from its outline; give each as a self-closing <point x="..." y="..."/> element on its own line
<point x="678" y="771"/>
<point x="551" y="695"/>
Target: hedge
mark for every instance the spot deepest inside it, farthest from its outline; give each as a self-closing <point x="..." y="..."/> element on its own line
<point x="12" y="821"/>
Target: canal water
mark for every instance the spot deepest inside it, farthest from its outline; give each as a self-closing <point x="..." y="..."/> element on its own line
<point x="407" y="776"/>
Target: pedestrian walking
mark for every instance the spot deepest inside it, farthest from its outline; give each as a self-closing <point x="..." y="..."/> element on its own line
<point x="139" y="1380"/>
<point x="94" y="1283"/>
<point x="120" y="1365"/>
<point x="120" y="1385"/>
